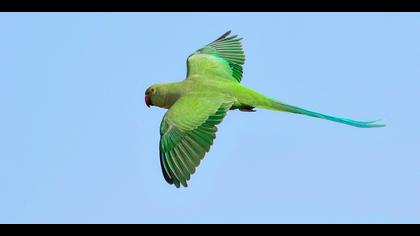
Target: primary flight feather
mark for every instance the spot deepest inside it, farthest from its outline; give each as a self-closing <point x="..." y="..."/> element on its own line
<point x="199" y="103"/>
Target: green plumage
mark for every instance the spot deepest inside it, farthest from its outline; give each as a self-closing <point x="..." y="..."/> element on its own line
<point x="226" y="51"/>
<point x="187" y="132"/>
<point x="201" y="101"/>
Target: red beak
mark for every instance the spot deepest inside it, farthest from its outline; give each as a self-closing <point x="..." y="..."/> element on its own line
<point x="147" y="100"/>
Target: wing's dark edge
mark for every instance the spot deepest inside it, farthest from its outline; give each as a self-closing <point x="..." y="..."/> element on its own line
<point x="223" y="36"/>
<point x="165" y="175"/>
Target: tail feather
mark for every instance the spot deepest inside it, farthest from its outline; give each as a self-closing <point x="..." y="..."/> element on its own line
<point x="293" y="109"/>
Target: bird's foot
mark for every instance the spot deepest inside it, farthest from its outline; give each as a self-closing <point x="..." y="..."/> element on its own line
<point x="247" y="109"/>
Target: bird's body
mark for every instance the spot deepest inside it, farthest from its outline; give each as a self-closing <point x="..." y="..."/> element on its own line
<point x="242" y="96"/>
<point x="201" y="101"/>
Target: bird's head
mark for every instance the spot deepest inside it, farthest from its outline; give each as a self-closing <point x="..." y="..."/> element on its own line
<point x="155" y="96"/>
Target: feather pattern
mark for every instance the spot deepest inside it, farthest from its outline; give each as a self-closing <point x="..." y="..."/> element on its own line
<point x="229" y="49"/>
<point x="185" y="141"/>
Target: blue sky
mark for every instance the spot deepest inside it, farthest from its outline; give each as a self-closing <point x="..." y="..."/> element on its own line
<point x="78" y="144"/>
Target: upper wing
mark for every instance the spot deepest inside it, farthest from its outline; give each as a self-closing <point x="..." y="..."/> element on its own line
<point x="187" y="132"/>
<point x="223" y="57"/>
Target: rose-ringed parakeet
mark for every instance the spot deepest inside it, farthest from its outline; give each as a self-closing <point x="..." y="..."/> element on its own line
<point x="199" y="103"/>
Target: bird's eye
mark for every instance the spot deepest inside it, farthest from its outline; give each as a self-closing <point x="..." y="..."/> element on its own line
<point x="152" y="90"/>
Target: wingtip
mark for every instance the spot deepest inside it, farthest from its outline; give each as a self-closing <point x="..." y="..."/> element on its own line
<point x="224" y="35"/>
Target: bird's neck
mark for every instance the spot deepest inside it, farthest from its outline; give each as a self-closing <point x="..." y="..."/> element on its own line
<point x="173" y="91"/>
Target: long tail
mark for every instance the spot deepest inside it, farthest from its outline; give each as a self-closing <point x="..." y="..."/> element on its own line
<point x="279" y="106"/>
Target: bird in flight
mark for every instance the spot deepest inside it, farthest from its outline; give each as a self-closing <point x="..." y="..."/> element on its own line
<point x="199" y="103"/>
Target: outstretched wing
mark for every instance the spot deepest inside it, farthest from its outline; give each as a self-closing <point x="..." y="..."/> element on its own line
<point x="223" y="57"/>
<point x="187" y="132"/>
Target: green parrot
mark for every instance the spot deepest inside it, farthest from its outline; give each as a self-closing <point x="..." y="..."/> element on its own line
<point x="199" y="103"/>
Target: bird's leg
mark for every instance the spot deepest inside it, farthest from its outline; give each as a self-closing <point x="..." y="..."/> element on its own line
<point x="247" y="109"/>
